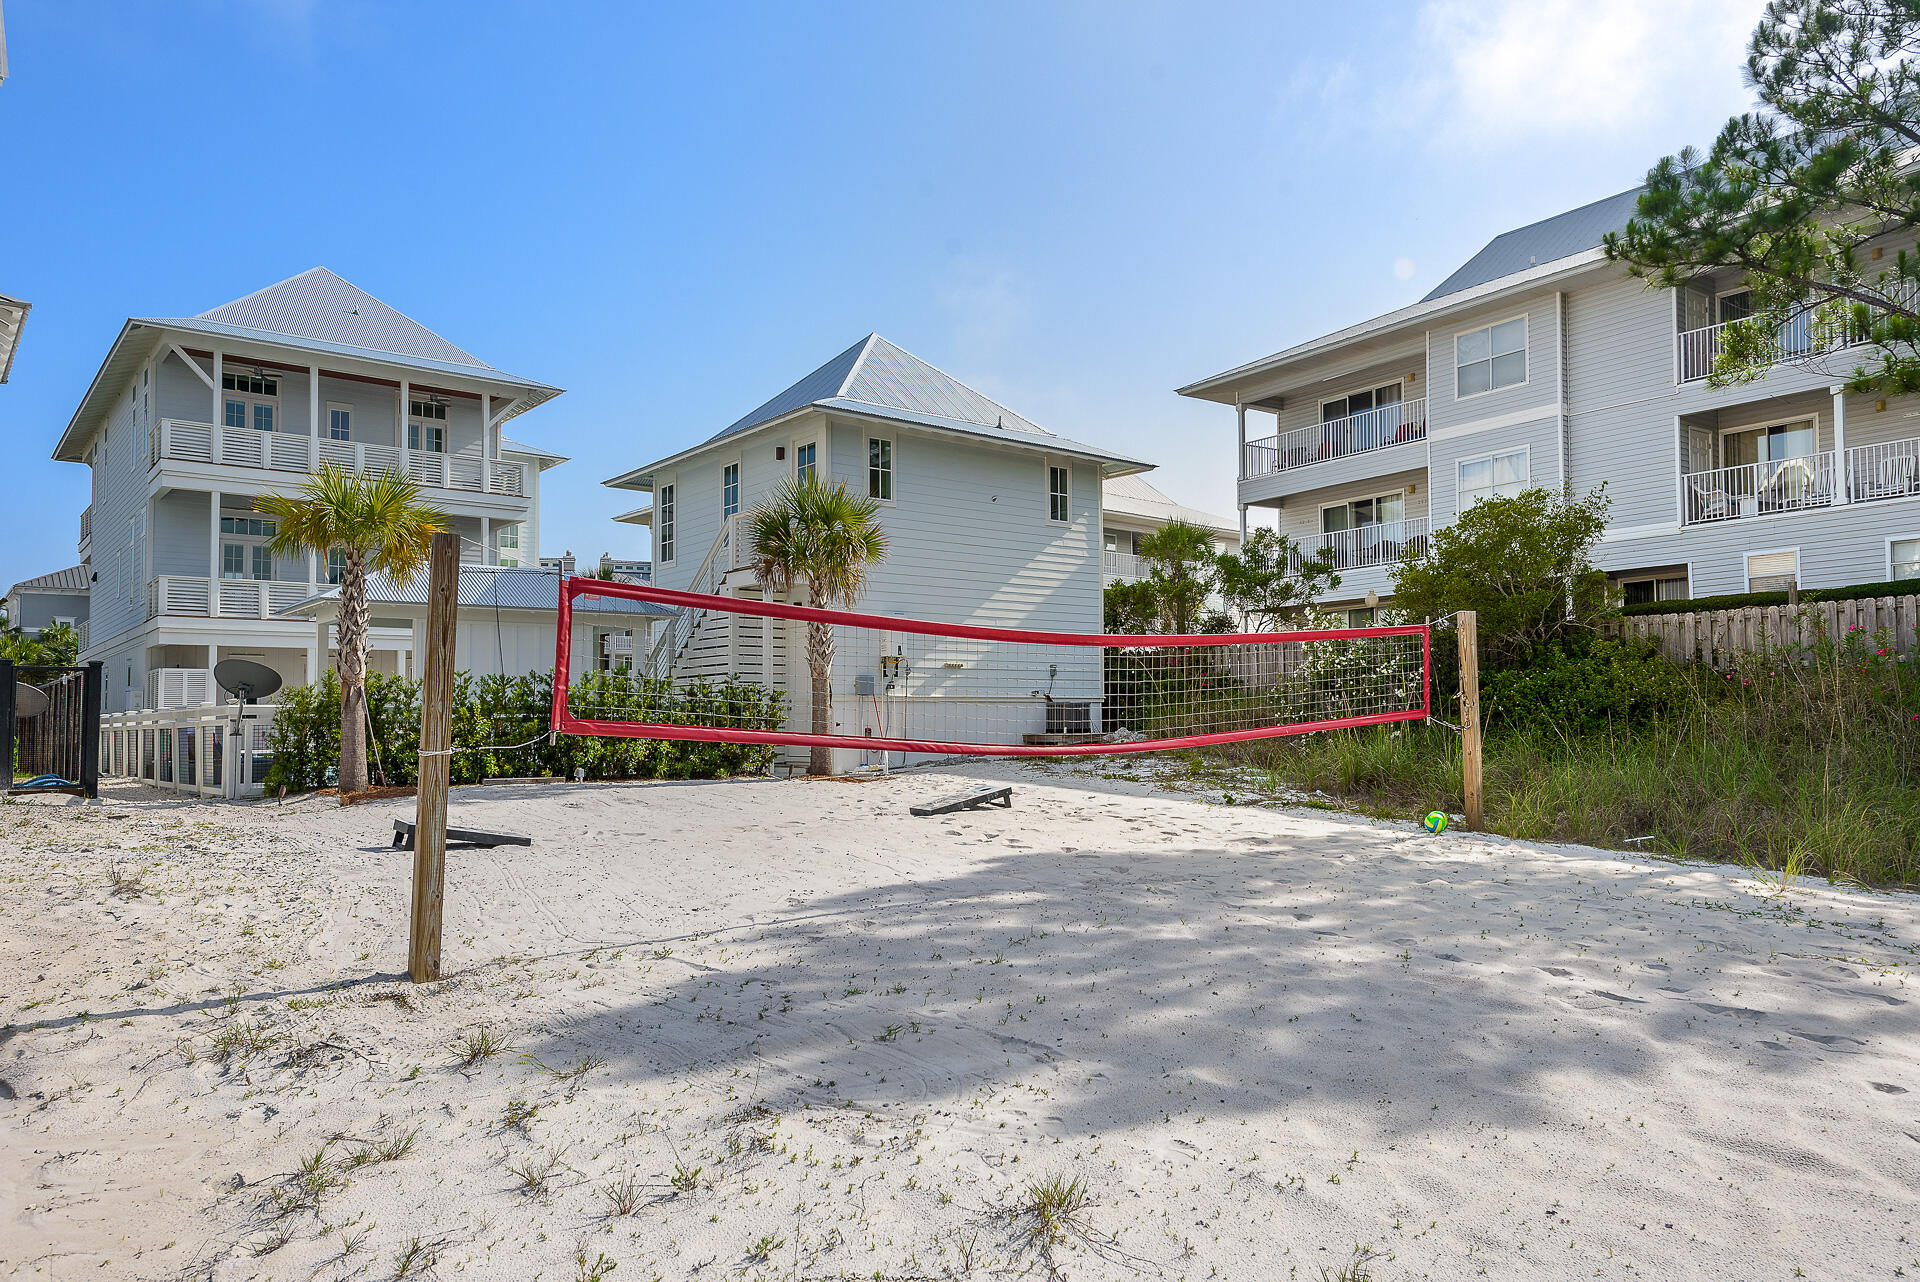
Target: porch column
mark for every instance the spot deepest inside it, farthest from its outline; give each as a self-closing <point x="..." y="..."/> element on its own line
<point x="1843" y="475"/>
<point x="313" y="421"/>
<point x="486" y="540"/>
<point x="313" y="667"/>
<point x="1240" y="467"/>
<point x="1243" y="525"/>
<point x="400" y="424"/>
<point x="313" y="573"/>
<point x="216" y="419"/>
<point x="213" y="563"/>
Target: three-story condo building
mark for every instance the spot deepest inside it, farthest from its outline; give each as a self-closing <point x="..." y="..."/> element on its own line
<point x="189" y="420"/>
<point x="1539" y="363"/>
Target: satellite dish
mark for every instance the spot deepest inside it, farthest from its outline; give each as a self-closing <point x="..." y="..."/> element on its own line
<point x="246" y="680"/>
<point x="29" y="701"/>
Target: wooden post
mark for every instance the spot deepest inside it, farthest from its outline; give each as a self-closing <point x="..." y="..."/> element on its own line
<point x="1468" y="626"/>
<point x="436" y="766"/>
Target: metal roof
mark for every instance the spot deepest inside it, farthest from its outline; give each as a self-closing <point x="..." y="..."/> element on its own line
<point x="314" y="312"/>
<point x="1541" y="242"/>
<point x="13" y="316"/>
<point x="74" y="578"/>
<point x="883" y="376"/>
<point x="877" y="379"/>
<point x="487" y="587"/>
<point x="1135" y="496"/>
<point x="546" y="458"/>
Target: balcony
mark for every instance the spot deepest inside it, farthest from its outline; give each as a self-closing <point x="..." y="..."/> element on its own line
<point x="86" y="530"/>
<point x="1383" y="543"/>
<point x="1374" y="429"/>
<point x="186" y="442"/>
<point x="1758" y="489"/>
<point x="1866" y="474"/>
<point x="194" y="597"/>
<point x="1122" y="567"/>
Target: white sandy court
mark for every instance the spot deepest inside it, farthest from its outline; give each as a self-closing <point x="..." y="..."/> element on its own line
<point x="816" y="1038"/>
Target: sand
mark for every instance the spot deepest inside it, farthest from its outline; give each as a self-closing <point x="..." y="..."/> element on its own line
<point x="792" y="1032"/>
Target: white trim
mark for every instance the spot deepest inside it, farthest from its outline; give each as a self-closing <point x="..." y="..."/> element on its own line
<point x="1908" y="538"/>
<point x="1624" y="533"/>
<point x="1746" y="563"/>
<point x="893" y="466"/>
<point x="1048" y="463"/>
<point x="328" y="408"/>
<point x="798" y="443"/>
<point x="1513" y="418"/>
<point x="673" y="526"/>
<point x="1459" y="505"/>
<point x="739" y="487"/>
<point x="1526" y="355"/>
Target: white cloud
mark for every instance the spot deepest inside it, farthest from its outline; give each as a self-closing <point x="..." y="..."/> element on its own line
<point x="1403" y="268"/>
<point x="1509" y="69"/>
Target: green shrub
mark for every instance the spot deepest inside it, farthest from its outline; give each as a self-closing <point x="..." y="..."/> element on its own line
<point x="495" y="717"/>
<point x="1742" y="600"/>
<point x="1585" y="685"/>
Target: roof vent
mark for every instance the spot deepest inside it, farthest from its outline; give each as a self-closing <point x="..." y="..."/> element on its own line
<point x="1000" y="421"/>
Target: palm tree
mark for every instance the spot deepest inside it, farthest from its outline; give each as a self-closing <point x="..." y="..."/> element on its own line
<point x="378" y="524"/>
<point x="826" y="537"/>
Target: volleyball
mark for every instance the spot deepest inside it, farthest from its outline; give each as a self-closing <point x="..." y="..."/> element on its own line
<point x="1435" y="822"/>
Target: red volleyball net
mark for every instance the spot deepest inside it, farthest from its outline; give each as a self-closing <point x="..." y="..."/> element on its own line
<point x="741" y="670"/>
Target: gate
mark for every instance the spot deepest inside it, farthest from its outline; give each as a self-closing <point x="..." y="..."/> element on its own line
<point x="50" y="728"/>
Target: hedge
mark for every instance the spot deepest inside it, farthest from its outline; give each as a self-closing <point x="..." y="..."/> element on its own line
<point x="493" y="710"/>
<point x="1743" y="600"/>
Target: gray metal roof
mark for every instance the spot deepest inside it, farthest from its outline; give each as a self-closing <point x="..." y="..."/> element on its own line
<point x="74" y="578"/>
<point x="881" y="377"/>
<point x="546" y="458"/>
<point x="878" y="379"/>
<point x="485" y="587"/>
<point x="1135" y="496"/>
<point x="1542" y="242"/>
<point x="13" y="317"/>
<point x="318" y="304"/>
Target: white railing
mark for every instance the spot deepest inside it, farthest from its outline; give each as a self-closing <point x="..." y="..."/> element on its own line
<point x="729" y="552"/>
<point x="179" y="688"/>
<point x="234" y="598"/>
<point x="178" y="594"/>
<point x="1122" y="567"/>
<point x="187" y="749"/>
<point x="83" y="632"/>
<point x="1890" y="470"/>
<point x="1383" y="543"/>
<point x="1698" y="349"/>
<point x="1758" y="489"/>
<point x="286" y="452"/>
<point x="1373" y="429"/>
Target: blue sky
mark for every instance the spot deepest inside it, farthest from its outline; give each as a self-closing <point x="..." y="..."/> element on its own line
<point x="674" y="211"/>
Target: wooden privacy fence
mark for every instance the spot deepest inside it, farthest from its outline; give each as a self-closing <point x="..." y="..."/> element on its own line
<point x="1716" y="636"/>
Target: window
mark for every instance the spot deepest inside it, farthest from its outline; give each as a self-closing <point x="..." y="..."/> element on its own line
<point x="880" y="469"/>
<point x="803" y="459"/>
<point x="336" y="566"/>
<point x="663" y="524"/>
<point x="339" y="422"/>
<point x="1503" y="474"/>
<point x="1773" y="571"/>
<point x="249" y="400"/>
<point x="1361" y="512"/>
<point x="729" y="490"/>
<point x="427" y="426"/>
<point x="1491" y="358"/>
<point x="508" y="541"/>
<point x="1359" y="618"/>
<point x="1769" y="444"/>
<point x="1905" y="555"/>
<point x="1360" y="402"/>
<point x="1059" y="494"/>
<point x="1647" y="591"/>
<point x="243" y="547"/>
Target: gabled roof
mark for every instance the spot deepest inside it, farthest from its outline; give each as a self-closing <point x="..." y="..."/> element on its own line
<point x="72" y="579"/>
<point x="880" y="376"/>
<point x="1135" y="496"/>
<point x="877" y="379"/>
<point x="13" y="317"/>
<point x="484" y="587"/>
<point x="1541" y="242"/>
<point x="315" y="312"/>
